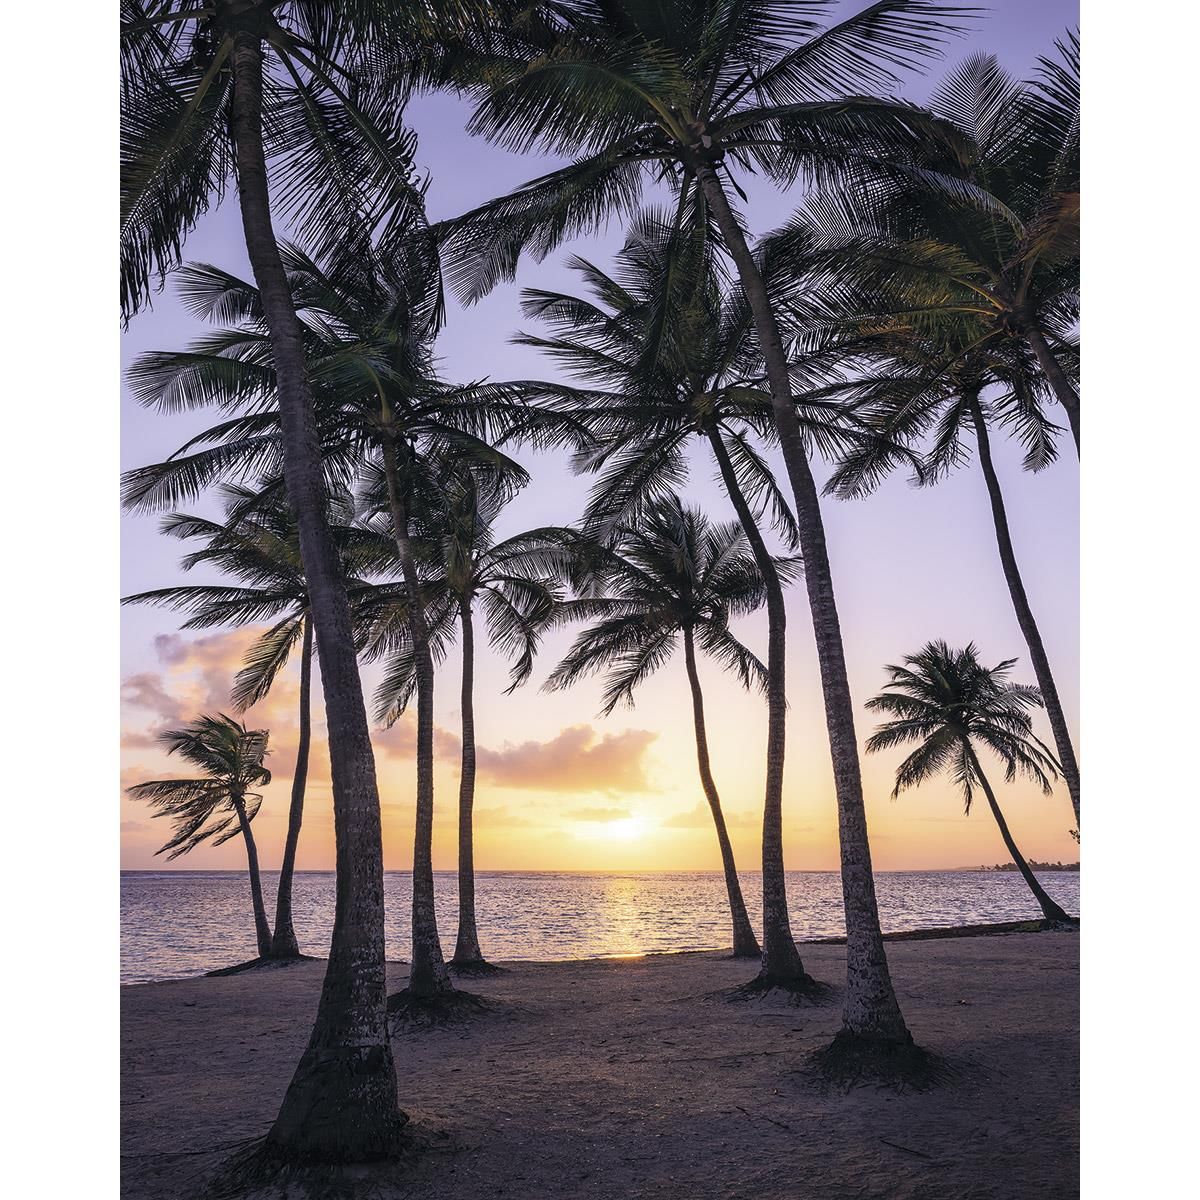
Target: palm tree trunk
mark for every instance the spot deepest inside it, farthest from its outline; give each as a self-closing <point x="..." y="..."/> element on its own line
<point x="466" y="948"/>
<point x="427" y="974"/>
<point x="745" y="944"/>
<point x="1025" y="619"/>
<point x="1050" y="910"/>
<point x="283" y="941"/>
<point x="261" y="929"/>
<point x="781" y="960"/>
<point x="871" y="1009"/>
<point x="341" y="1103"/>
<point x="1056" y="377"/>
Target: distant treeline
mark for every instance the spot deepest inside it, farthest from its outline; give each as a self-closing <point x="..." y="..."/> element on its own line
<point x="1037" y="866"/>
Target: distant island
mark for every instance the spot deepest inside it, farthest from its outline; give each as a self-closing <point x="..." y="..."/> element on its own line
<point x="1037" y="866"/>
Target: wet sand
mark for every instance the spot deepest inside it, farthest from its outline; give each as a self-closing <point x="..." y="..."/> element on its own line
<point x="628" y="1079"/>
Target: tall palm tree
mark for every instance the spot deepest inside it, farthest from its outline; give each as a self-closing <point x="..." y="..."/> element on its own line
<point x="200" y="88"/>
<point x="221" y="803"/>
<point x="385" y="420"/>
<point x="674" y="577"/>
<point x="259" y="545"/>
<point x="685" y="94"/>
<point x="666" y="360"/>
<point x="948" y="702"/>
<point x="515" y="583"/>
<point x="979" y="230"/>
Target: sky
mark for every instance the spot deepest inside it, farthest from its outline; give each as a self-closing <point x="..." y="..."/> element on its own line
<point x="560" y="788"/>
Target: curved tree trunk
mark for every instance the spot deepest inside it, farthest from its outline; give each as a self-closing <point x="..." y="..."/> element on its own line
<point x="261" y="929"/>
<point x="466" y="948"/>
<point x="745" y="944"/>
<point x="427" y="974"/>
<point x="283" y="941"/>
<point x="1050" y="910"/>
<point x="1025" y="618"/>
<point x="341" y="1103"/>
<point x="871" y="1009"/>
<point x="1056" y="377"/>
<point x="781" y="960"/>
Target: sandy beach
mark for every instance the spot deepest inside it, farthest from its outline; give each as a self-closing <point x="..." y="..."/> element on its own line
<point x="631" y="1079"/>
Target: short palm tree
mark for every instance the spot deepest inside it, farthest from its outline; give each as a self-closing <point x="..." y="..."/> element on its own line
<point x="219" y="804"/>
<point x="274" y="93"/>
<point x="675" y="577"/>
<point x="259" y="545"/>
<point x="949" y="703"/>
<point x="515" y="581"/>
<point x="686" y="94"/>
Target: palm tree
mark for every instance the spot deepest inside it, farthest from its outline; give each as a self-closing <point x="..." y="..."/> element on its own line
<point x="674" y="577"/>
<point x="913" y="387"/>
<point x="221" y="803"/>
<point x="514" y="581"/>
<point x="684" y="96"/>
<point x="259" y="544"/>
<point x="665" y="359"/>
<point x="199" y="87"/>
<point x="385" y="420"/>
<point x="978" y="232"/>
<point x="948" y="702"/>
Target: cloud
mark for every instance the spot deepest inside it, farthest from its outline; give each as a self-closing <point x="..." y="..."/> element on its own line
<point x="574" y="760"/>
<point x="501" y="818"/>
<point x="146" y="691"/>
<point x="133" y="826"/>
<point x="600" y="815"/>
<point x="700" y="817"/>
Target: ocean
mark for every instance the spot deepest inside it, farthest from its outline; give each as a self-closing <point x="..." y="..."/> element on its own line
<point x="180" y="923"/>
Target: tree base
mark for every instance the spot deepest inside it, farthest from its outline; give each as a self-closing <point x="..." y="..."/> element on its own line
<point x="747" y="952"/>
<point x="259" y="1170"/>
<point x="851" y="1060"/>
<point x="796" y="989"/>
<point x="477" y="968"/>
<point x="407" y="1010"/>
<point x="259" y="964"/>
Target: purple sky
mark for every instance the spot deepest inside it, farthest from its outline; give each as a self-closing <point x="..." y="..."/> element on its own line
<point x="908" y="565"/>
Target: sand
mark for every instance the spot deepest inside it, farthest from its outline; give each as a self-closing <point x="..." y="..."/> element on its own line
<point x="629" y="1079"/>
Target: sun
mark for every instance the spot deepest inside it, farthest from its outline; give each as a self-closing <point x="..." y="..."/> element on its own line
<point x="626" y="829"/>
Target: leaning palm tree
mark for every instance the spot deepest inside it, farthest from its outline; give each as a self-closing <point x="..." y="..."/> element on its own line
<point x="686" y="95"/>
<point x="949" y="703"/>
<point x="221" y="803"/>
<point x="675" y="577"/>
<point x="515" y="581"/>
<point x="663" y="359"/>
<point x="259" y="545"/>
<point x="246" y="90"/>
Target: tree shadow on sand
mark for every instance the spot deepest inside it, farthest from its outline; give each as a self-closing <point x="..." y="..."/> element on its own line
<point x="260" y="964"/>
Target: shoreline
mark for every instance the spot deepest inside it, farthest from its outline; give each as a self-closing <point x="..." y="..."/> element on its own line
<point x="929" y="933"/>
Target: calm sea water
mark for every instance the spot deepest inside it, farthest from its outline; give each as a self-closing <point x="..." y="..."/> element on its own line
<point x="180" y="923"/>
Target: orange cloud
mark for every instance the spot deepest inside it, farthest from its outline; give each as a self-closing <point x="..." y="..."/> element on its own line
<point x="700" y="817"/>
<point x="575" y="760"/>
